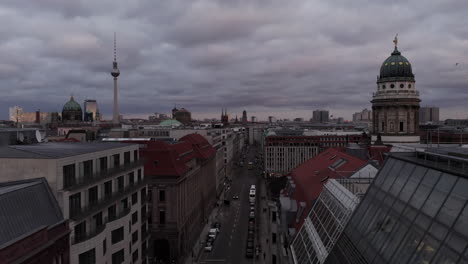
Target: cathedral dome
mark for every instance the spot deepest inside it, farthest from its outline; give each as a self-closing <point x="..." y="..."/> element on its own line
<point x="72" y="111"/>
<point x="396" y="68"/>
<point x="72" y="105"/>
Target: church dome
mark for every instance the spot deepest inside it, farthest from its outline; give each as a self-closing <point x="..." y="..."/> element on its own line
<point x="72" y="105"/>
<point x="396" y="68"/>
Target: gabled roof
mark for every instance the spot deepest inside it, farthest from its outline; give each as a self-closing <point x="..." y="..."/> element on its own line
<point x="201" y="146"/>
<point x="26" y="206"/>
<point x="311" y="176"/>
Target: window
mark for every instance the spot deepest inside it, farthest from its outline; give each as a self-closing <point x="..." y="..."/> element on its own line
<point x="143" y="194"/>
<point x="162" y="195"/>
<point x="97" y="218"/>
<point x="135" y="237"/>
<point x="104" y="246"/>
<point x="93" y="195"/>
<point x="74" y="203"/>
<point x="127" y="157"/>
<point x="135" y="155"/>
<point x="120" y="183"/>
<point x="383" y="126"/>
<point x="124" y="203"/>
<point x="131" y="177"/>
<point x="139" y="175"/>
<point x="135" y="198"/>
<point x="88" y="169"/>
<point x="116" y="160"/>
<point x="118" y="257"/>
<point x="162" y="217"/>
<point x="135" y="255"/>
<point x="69" y="176"/>
<point x="103" y="163"/>
<point x="117" y="235"/>
<point x="409" y="86"/>
<point x="402" y="86"/>
<point x="392" y="85"/>
<point x="80" y="231"/>
<point x="401" y="126"/>
<point x="112" y="212"/>
<point x="134" y="218"/>
<point x="108" y="189"/>
<point x="88" y="257"/>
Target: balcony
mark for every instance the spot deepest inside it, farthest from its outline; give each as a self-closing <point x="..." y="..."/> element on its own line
<point x="101" y="175"/>
<point x="98" y="230"/>
<point x="105" y="201"/>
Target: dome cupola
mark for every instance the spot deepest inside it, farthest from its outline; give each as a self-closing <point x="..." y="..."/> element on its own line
<point x="396" y="67"/>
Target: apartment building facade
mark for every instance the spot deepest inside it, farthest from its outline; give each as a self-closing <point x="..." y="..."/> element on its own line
<point x="100" y="188"/>
<point x="283" y="153"/>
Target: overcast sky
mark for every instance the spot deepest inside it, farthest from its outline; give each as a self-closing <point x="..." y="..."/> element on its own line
<point x="269" y="57"/>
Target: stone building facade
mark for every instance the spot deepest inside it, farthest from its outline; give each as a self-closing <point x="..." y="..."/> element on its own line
<point x="395" y="105"/>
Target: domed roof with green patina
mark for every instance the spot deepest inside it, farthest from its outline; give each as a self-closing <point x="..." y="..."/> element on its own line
<point x="170" y="122"/>
<point x="396" y="68"/>
<point x="72" y="105"/>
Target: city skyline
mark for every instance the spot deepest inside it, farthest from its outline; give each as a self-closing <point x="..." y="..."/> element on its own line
<point x="293" y="58"/>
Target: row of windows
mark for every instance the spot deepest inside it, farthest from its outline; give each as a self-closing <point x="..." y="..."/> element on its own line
<point x="393" y="86"/>
<point x="86" y="168"/>
<point x="107" y="190"/>
<point x="98" y="220"/>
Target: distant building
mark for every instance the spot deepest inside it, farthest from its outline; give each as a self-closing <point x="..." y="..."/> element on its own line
<point x="17" y="114"/>
<point x="253" y="119"/>
<point x="100" y="188"/>
<point x="363" y="116"/>
<point x="285" y="149"/>
<point x="182" y="115"/>
<point x="271" y="119"/>
<point x="456" y="122"/>
<point x="32" y="226"/>
<point x="91" y="111"/>
<point x="244" y="117"/>
<point x="72" y="112"/>
<point x="224" y="117"/>
<point x="298" y="119"/>
<point x="320" y="116"/>
<point x="429" y="115"/>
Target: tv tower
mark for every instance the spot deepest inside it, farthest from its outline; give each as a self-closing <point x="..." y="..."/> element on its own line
<point x="115" y="73"/>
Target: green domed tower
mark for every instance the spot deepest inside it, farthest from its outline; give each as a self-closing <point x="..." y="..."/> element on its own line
<point x="395" y="105"/>
<point x="72" y="111"/>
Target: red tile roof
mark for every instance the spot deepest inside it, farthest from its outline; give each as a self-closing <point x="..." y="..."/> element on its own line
<point x="311" y="176"/>
<point x="377" y="152"/>
<point x="164" y="159"/>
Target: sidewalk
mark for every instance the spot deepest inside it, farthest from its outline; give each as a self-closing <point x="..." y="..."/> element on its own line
<point x="199" y="245"/>
<point x="264" y="226"/>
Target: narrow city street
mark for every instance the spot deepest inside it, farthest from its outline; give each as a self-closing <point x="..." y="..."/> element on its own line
<point x="230" y="245"/>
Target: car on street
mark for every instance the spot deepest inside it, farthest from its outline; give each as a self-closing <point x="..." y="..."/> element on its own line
<point x="213" y="232"/>
<point x="250" y="245"/>
<point x="208" y="247"/>
<point x="216" y="225"/>
<point x="252" y="215"/>
<point x="235" y="197"/>
<point x="251" y="226"/>
<point x="252" y="208"/>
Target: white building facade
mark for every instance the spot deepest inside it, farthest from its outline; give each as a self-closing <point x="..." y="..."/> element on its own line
<point x="100" y="188"/>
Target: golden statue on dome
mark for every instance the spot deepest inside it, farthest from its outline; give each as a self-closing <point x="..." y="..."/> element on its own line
<point x="396" y="40"/>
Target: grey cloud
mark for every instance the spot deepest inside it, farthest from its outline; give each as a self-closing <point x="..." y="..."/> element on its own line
<point x="269" y="57"/>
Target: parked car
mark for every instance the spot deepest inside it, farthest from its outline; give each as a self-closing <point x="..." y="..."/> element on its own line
<point x="252" y="215"/>
<point x="213" y="232"/>
<point x="252" y="208"/>
<point x="208" y="246"/>
<point x="235" y="197"/>
<point x="250" y="245"/>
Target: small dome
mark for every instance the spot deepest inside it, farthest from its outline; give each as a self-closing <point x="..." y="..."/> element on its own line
<point x="396" y="68"/>
<point x="72" y="105"/>
<point x="170" y="122"/>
